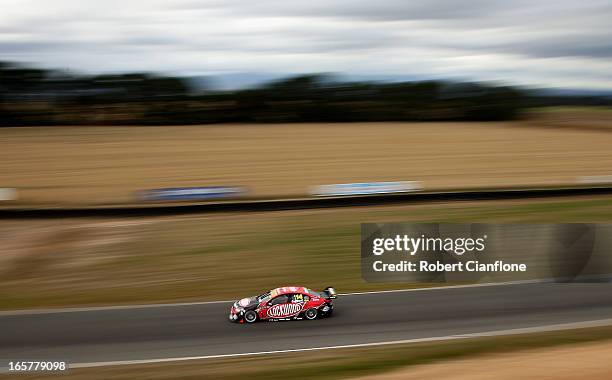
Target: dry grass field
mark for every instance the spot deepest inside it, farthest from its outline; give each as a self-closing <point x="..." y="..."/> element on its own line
<point x="98" y="165"/>
<point x="582" y="118"/>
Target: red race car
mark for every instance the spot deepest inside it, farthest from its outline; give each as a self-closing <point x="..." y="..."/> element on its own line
<point x="289" y="302"/>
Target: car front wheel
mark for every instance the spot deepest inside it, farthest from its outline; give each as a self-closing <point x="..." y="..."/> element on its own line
<point x="250" y="316"/>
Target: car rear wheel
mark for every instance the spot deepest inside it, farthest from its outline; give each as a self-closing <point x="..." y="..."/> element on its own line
<point x="250" y="316"/>
<point x="311" y="314"/>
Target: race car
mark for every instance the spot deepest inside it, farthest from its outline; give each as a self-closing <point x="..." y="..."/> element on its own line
<point x="286" y="303"/>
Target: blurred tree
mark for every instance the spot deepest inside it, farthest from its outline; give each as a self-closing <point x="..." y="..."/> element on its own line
<point x="36" y="96"/>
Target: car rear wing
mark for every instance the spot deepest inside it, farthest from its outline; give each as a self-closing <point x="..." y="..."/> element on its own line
<point x="330" y="293"/>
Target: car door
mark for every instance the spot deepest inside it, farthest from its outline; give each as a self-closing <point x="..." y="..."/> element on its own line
<point x="301" y="298"/>
<point x="272" y="303"/>
<point x="283" y="307"/>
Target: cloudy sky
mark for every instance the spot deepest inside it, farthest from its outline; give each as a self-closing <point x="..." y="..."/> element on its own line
<point x="561" y="43"/>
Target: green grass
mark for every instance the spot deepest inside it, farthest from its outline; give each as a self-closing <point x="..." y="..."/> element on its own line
<point x="223" y="256"/>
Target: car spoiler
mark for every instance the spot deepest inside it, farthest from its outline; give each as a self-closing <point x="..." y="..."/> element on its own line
<point x="329" y="292"/>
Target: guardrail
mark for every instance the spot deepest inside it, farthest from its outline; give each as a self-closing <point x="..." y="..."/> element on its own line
<point x="301" y="203"/>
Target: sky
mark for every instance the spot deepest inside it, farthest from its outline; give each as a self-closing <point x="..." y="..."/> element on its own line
<point x="561" y="43"/>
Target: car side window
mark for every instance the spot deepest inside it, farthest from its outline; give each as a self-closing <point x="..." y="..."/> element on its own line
<point x="278" y="300"/>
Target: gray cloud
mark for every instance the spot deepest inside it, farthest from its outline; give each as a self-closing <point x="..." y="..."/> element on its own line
<point x="388" y="10"/>
<point x="527" y="42"/>
<point x="589" y="45"/>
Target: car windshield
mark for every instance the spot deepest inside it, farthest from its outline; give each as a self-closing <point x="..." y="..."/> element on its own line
<point x="263" y="297"/>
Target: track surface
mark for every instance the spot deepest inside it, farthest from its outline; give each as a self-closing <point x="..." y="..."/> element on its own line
<point x="203" y="329"/>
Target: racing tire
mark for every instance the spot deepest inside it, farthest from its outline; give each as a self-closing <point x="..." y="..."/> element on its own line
<point x="311" y="314"/>
<point x="250" y="316"/>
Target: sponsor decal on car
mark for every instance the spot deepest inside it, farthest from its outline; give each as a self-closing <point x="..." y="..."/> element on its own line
<point x="285" y="310"/>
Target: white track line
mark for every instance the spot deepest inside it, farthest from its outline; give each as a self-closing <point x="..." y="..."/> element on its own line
<point x="487" y="284"/>
<point x="154" y="305"/>
<point x="104" y="308"/>
<point x="517" y="331"/>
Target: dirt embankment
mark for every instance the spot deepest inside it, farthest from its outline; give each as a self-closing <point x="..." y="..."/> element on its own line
<point x="586" y="361"/>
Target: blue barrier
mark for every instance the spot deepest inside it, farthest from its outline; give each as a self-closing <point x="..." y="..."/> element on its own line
<point x="193" y="193"/>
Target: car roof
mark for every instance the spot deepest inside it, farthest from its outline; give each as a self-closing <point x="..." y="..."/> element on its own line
<point x="288" y="290"/>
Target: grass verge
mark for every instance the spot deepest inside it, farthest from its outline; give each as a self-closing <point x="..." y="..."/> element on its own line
<point x="223" y="256"/>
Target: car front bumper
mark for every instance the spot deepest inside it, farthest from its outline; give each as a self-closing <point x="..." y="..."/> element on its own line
<point x="235" y="314"/>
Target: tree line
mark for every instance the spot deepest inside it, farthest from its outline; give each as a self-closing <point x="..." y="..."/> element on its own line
<point x="34" y="96"/>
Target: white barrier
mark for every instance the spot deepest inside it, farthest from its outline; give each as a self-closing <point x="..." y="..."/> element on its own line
<point x="365" y="188"/>
<point x="595" y="179"/>
<point x="8" y="194"/>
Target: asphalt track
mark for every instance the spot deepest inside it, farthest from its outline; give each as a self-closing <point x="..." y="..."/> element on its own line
<point x="171" y="331"/>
